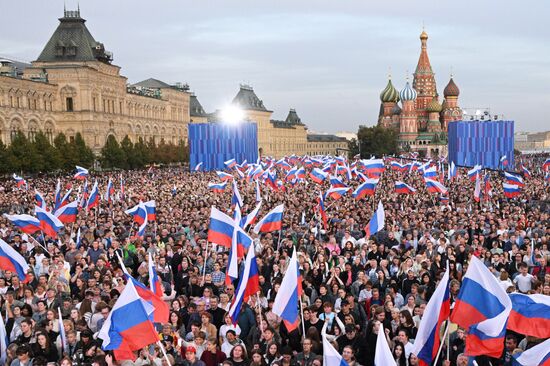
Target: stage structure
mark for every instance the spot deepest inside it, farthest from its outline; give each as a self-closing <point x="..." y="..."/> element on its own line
<point x="214" y="143"/>
<point x="483" y="143"/>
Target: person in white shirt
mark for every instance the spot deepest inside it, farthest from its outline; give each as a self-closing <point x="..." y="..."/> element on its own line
<point x="524" y="280"/>
<point x="404" y="338"/>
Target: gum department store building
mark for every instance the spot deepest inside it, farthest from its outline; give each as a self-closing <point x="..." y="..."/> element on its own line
<point x="73" y="86"/>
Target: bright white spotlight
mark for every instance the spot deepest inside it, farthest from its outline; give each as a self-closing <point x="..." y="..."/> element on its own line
<point x="232" y="115"/>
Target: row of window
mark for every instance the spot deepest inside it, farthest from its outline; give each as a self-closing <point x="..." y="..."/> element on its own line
<point x="31" y="103"/>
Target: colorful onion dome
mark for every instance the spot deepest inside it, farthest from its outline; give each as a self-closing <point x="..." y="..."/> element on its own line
<point x="408" y="93"/>
<point x="389" y="94"/>
<point x="451" y="90"/>
<point x="434" y="106"/>
<point x="395" y="110"/>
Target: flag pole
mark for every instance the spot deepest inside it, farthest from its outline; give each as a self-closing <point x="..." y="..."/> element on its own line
<point x="204" y="264"/>
<point x="302" y="320"/>
<point x="164" y="352"/>
<point x="259" y="310"/>
<point x="443" y="342"/>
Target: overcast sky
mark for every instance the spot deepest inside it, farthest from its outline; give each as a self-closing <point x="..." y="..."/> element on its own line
<point x="327" y="59"/>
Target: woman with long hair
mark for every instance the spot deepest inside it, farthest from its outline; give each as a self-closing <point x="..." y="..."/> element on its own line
<point x="399" y="354"/>
<point x="407" y="323"/>
<point x="272" y="354"/>
<point x="45" y="348"/>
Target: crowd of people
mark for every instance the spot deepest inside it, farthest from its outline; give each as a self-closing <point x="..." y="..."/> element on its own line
<point x="353" y="286"/>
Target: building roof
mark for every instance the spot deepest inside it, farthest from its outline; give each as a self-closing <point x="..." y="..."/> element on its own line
<point x="281" y="124"/>
<point x="325" y="138"/>
<point x="14" y="68"/>
<point x="72" y="41"/>
<point x="248" y="100"/>
<point x="389" y="94"/>
<point x="407" y="93"/>
<point x="293" y="118"/>
<point x="424" y="66"/>
<point x="152" y="83"/>
<point x="195" y="107"/>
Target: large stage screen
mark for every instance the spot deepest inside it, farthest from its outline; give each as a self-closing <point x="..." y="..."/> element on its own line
<point x="214" y="143"/>
<point x="482" y="143"/>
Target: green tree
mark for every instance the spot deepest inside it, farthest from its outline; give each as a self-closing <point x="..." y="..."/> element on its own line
<point x="182" y="152"/>
<point x="21" y="154"/>
<point x="65" y="151"/>
<point x="377" y="141"/>
<point x="47" y="156"/>
<point x="141" y="154"/>
<point x="112" y="155"/>
<point x="5" y="167"/>
<point x="128" y="148"/>
<point x="353" y="148"/>
<point x="84" y="155"/>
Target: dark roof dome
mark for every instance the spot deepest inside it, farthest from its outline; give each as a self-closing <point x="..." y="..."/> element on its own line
<point x="451" y="90"/>
<point x="396" y="109"/>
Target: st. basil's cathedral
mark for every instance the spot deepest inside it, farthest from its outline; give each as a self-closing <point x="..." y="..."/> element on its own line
<point x="421" y="119"/>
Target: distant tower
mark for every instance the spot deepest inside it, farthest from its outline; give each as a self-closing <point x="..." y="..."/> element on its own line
<point x="424" y="82"/>
<point x="389" y="98"/>
<point x="434" y="109"/>
<point x="451" y="111"/>
<point x="408" y="130"/>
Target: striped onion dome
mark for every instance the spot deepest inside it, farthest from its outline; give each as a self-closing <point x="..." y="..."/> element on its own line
<point x="408" y="93"/>
<point x="451" y="90"/>
<point x="434" y="106"/>
<point x="389" y="94"/>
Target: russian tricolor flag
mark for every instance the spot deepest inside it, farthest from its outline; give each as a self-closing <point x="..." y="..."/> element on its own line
<point x="482" y="307"/>
<point x="57" y="200"/>
<point x="530" y="315"/>
<point x="236" y="198"/>
<point x="472" y="173"/>
<point x="65" y="199"/>
<point x="198" y="167"/>
<point x="426" y="343"/>
<point x="301" y="173"/>
<point x="272" y="221"/>
<point x="336" y="192"/>
<point x="19" y="181"/>
<point x="286" y="301"/>
<point x="110" y="192"/>
<point x="138" y="214"/>
<point x="397" y="166"/>
<point x="128" y="327"/>
<point x="366" y="188"/>
<point x="382" y="352"/>
<point x="431" y="172"/>
<point x="11" y="260"/>
<point x="511" y="190"/>
<point x="26" y="223"/>
<point x="513" y="179"/>
<point x="526" y="173"/>
<point x="67" y="213"/>
<point x="546" y="164"/>
<point x="318" y="176"/>
<point x="504" y="160"/>
<point x="81" y="173"/>
<point x="434" y="186"/>
<point x="93" y="200"/>
<point x="331" y="357"/>
<point x="251" y="218"/>
<point x="249" y="285"/>
<point x="221" y="228"/>
<point x="40" y="201"/>
<point x="403" y="188"/>
<point x="217" y="187"/>
<point x="230" y="164"/>
<point x="151" y="208"/>
<point x="49" y="224"/>
<point x="224" y="176"/>
<point x="377" y="221"/>
<point x="452" y="171"/>
<point x="154" y="283"/>
<point x="373" y="167"/>
<point x="538" y="355"/>
<point x="336" y="182"/>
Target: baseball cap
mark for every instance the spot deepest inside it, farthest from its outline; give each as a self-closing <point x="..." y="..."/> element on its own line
<point x="190" y="349"/>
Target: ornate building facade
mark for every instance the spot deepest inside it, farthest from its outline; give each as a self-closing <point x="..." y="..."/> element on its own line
<point x="421" y="119"/>
<point x="74" y="87"/>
